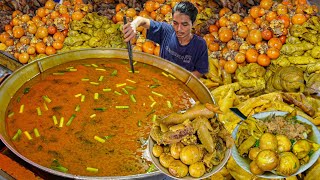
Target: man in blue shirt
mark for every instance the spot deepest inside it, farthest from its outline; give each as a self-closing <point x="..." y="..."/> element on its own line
<point x="177" y="43"/>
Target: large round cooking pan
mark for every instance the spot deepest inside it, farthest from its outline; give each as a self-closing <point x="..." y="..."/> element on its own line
<point x="11" y="84"/>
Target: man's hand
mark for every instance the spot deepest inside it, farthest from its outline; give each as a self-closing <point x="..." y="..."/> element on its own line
<point x="129" y="31"/>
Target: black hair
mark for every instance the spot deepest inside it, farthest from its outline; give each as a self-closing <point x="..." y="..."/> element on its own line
<point x="186" y="8"/>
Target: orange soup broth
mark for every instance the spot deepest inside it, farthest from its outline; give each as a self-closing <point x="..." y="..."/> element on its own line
<point x="74" y="146"/>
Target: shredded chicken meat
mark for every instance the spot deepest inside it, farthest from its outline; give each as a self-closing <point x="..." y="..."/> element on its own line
<point x="290" y="128"/>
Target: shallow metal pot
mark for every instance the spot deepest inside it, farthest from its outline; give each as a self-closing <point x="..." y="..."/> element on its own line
<point x="20" y="76"/>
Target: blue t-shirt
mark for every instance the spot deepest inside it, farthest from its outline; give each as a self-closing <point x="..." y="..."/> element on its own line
<point x="193" y="56"/>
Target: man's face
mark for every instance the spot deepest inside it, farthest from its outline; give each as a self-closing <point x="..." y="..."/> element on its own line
<point x="182" y="24"/>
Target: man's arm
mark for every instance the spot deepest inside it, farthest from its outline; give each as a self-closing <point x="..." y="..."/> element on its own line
<point x="197" y="74"/>
<point x="130" y="29"/>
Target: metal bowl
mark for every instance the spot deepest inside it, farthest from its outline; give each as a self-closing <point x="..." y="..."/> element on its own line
<point x="12" y="84"/>
<point x="245" y="162"/>
<point x="164" y="170"/>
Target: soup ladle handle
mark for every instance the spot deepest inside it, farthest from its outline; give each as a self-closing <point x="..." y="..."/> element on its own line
<point x="129" y="48"/>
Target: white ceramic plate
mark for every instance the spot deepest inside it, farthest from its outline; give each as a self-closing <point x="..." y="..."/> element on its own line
<point x="245" y="162"/>
<point x="164" y="170"/>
